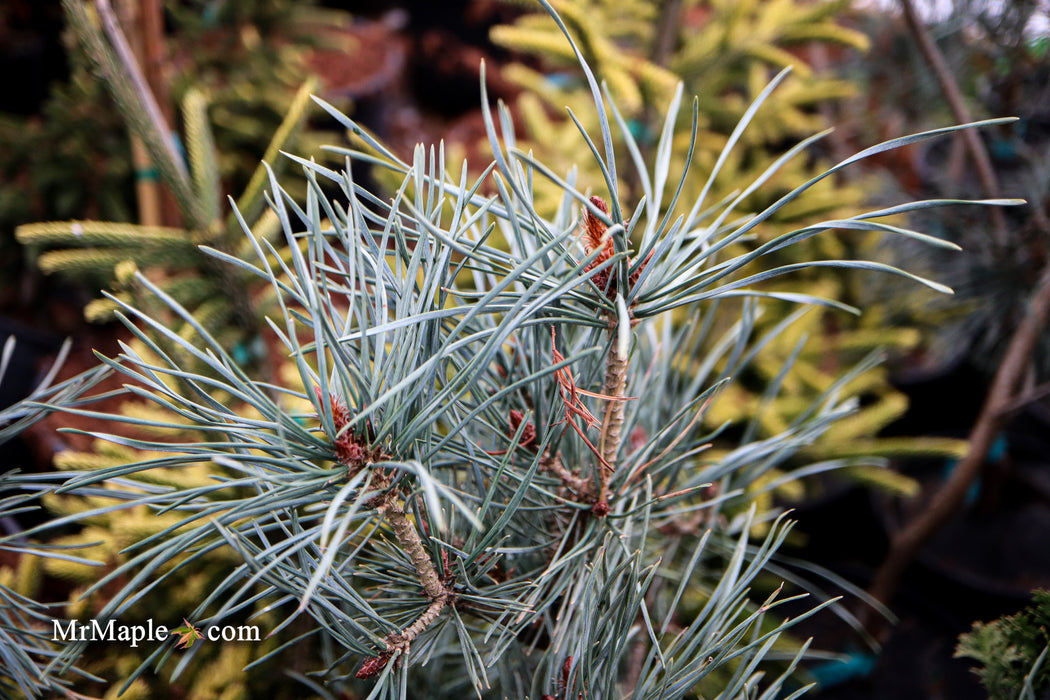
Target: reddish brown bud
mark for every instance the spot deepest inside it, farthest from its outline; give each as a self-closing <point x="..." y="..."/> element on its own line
<point x="528" y="433"/>
<point x="593" y="232"/>
<point x="566" y="667"/>
<point x="594" y="239"/>
<point x="601" y="280"/>
<point x="372" y="666"/>
<point x="340" y="413"/>
<point x="600" y="509"/>
<point x="515" y="419"/>
<point x="350" y="449"/>
<point x="638" y="438"/>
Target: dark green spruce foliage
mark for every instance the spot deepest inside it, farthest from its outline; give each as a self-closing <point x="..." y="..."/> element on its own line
<point x="484" y="472"/>
<point x="1012" y="651"/>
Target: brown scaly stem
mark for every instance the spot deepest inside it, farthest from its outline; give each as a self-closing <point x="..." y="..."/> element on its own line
<point x="402" y="639"/>
<point x="594" y="235"/>
<point x="407" y="536"/>
<point x="578" y="485"/>
<point x="612" y="421"/>
<point x="354" y="451"/>
<point x="389" y="505"/>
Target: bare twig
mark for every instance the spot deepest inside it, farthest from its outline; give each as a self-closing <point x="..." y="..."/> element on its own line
<point x="615" y="410"/>
<point x="666" y="31"/>
<point x="580" y="486"/>
<point x="405" y="532"/>
<point x="954" y="96"/>
<point x="945" y="502"/>
<point x="1001" y="400"/>
<point x="389" y="505"/>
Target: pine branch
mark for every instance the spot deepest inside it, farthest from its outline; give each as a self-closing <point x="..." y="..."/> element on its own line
<point x="421" y="320"/>
<point x="354" y="453"/>
<point x="389" y="505"/>
<point x="403" y="639"/>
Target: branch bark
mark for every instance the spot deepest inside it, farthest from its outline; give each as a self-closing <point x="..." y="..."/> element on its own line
<point x="142" y="89"/>
<point x="615" y="409"/>
<point x="946" y="501"/>
<point x="410" y="541"/>
<point x="954" y="96"/>
<point x="389" y="505"/>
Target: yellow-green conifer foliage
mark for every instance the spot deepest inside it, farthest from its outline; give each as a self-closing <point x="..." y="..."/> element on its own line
<point x="223" y="301"/>
<point x="220" y="299"/>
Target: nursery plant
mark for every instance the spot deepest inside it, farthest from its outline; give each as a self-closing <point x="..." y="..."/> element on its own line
<point x="94" y="250"/>
<point x="245" y="57"/>
<point x="1012" y="650"/>
<point x="487" y="470"/>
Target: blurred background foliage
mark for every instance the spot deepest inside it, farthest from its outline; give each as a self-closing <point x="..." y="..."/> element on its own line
<point x="73" y="161"/>
<point x="997" y="53"/>
<point x="239" y="73"/>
